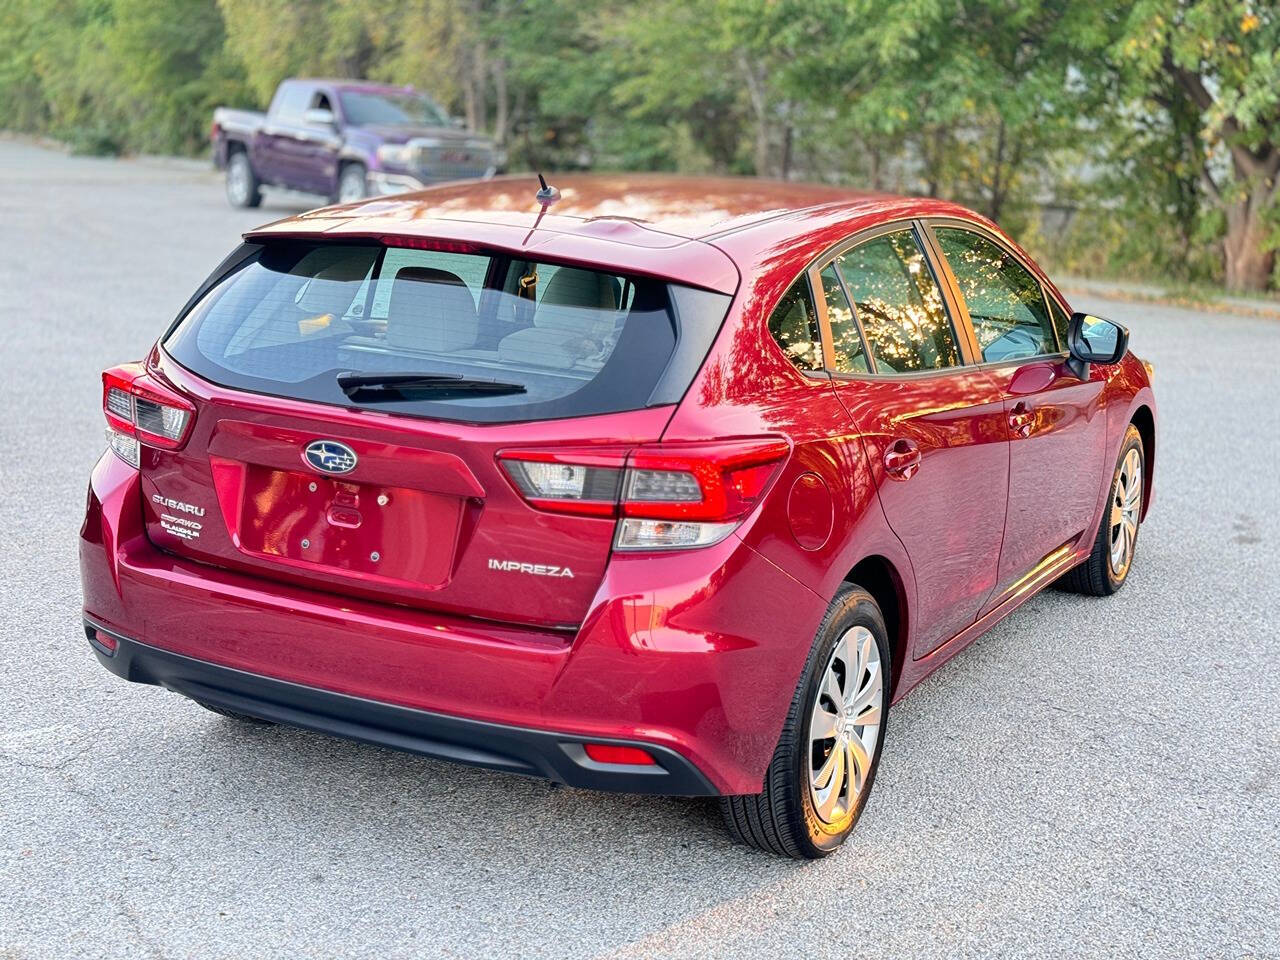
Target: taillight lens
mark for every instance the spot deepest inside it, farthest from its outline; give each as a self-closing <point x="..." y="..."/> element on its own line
<point x="567" y="480"/>
<point x="667" y="496"/>
<point x="140" y="410"/>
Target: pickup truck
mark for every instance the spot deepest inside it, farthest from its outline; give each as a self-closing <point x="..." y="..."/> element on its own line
<point x="345" y="140"/>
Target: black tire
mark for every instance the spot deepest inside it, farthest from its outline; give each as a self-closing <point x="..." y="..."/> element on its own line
<point x="354" y="178"/>
<point x="1095" y="577"/>
<point x="781" y="819"/>
<point x="242" y="717"/>
<point x="243" y="187"/>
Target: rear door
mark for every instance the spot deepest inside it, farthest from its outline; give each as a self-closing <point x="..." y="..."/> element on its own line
<point x="932" y="424"/>
<point x="1057" y="426"/>
<point x="396" y="492"/>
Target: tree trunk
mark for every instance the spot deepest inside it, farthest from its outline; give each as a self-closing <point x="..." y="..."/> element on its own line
<point x="1249" y="264"/>
<point x="997" y="178"/>
<point x="502" y="117"/>
<point x="753" y="74"/>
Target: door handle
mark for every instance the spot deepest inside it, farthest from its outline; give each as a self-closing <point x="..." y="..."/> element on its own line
<point x="1021" y="419"/>
<point x="902" y="459"/>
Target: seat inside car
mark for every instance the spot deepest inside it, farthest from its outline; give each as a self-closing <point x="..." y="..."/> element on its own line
<point x="576" y="321"/>
<point x="431" y="310"/>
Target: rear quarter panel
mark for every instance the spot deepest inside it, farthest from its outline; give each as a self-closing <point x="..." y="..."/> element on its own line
<point x="821" y="515"/>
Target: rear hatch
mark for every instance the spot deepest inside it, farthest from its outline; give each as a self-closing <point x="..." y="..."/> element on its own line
<point x="351" y="401"/>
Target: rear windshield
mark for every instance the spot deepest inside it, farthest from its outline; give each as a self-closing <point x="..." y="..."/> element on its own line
<point x="475" y="337"/>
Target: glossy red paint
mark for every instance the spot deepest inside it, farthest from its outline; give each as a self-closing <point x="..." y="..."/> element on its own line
<point x="973" y="488"/>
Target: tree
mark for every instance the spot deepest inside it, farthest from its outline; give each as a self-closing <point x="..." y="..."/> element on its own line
<point x="1219" y="59"/>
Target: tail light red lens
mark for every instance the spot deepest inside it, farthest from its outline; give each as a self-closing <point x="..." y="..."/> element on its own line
<point x="668" y="495"/>
<point x="138" y="407"/>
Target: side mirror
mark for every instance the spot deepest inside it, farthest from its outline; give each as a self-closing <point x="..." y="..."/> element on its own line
<point x="318" y="117"/>
<point x="1092" y="339"/>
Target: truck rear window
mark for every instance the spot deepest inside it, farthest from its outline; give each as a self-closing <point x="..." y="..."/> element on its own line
<point x="474" y="337"/>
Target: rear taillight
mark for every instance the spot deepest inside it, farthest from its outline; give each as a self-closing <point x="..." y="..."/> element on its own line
<point x="140" y="410"/>
<point x="666" y="496"/>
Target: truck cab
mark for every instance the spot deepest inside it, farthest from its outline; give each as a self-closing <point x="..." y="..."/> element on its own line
<point x="344" y="140"/>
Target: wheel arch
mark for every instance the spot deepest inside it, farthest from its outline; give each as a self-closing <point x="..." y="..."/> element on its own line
<point x="1144" y="419"/>
<point x="879" y="577"/>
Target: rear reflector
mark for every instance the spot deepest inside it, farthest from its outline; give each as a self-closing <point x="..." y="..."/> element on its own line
<point x="669" y="496"/>
<point x="612" y="753"/>
<point x="139" y="408"/>
<point x="105" y="642"/>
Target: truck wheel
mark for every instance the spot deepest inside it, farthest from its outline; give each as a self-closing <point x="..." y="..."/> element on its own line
<point x="352" y="185"/>
<point x="243" y="188"/>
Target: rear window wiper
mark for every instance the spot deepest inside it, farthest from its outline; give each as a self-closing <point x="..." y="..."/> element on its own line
<point x="400" y="386"/>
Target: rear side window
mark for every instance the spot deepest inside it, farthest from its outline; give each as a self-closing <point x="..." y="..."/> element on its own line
<point x="486" y="338"/>
<point x="846" y="340"/>
<point x="1004" y="300"/>
<point x="291" y="102"/>
<point x="899" y="305"/>
<point x="794" y="326"/>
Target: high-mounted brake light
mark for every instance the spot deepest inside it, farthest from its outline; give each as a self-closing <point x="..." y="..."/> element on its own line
<point x="430" y="243"/>
<point x="667" y="496"/>
<point x="140" y="410"/>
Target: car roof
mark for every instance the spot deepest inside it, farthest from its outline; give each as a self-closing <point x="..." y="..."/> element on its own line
<point x="667" y="224"/>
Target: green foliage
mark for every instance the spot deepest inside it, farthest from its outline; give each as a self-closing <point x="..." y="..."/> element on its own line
<point x="1144" y="136"/>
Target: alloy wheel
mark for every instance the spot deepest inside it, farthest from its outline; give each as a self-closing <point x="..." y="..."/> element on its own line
<point x="844" y="725"/>
<point x="238" y="181"/>
<point x="352" y="186"/>
<point x="1125" y="507"/>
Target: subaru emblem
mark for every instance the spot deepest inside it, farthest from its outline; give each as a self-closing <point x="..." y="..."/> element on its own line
<point x="330" y="456"/>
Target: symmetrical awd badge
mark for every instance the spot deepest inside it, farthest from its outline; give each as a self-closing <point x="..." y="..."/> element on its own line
<point x="330" y="456"/>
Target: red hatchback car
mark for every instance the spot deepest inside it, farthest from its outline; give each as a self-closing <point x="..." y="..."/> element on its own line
<point x="660" y="485"/>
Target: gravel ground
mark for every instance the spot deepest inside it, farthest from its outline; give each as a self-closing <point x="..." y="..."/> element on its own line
<point x="1092" y="777"/>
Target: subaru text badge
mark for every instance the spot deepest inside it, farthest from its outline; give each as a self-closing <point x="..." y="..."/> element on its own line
<point x="330" y="456"/>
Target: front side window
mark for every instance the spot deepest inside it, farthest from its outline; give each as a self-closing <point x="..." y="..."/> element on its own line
<point x="899" y="305"/>
<point x="1061" y="322"/>
<point x="465" y="336"/>
<point x="1005" y="302"/>
<point x="794" y="327"/>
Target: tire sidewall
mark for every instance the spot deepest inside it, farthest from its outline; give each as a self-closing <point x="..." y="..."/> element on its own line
<point x="353" y="171"/>
<point x="854" y="607"/>
<point x="239" y="160"/>
<point x="1132" y="441"/>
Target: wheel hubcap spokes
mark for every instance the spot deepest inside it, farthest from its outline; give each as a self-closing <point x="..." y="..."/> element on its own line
<point x="239" y="181"/>
<point x="844" y="725"/>
<point x="1125" y="507"/>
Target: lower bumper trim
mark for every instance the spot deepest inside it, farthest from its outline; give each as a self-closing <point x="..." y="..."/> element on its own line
<point x="537" y="753"/>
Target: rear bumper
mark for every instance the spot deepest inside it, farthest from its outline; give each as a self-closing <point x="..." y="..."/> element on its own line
<point x="537" y="753"/>
<point x="694" y="657"/>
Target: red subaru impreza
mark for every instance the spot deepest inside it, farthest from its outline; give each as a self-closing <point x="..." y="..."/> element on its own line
<point x="660" y="485"/>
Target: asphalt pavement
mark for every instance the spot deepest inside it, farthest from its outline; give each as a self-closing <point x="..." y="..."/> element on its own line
<point x="1093" y="777"/>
